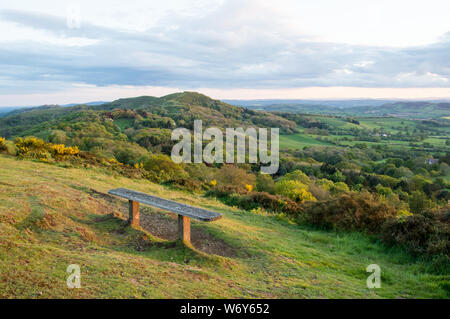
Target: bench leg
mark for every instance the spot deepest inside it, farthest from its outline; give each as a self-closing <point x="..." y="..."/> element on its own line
<point x="133" y="218"/>
<point x="184" y="229"/>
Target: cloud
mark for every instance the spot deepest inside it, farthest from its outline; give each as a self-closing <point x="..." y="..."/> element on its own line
<point x="236" y="44"/>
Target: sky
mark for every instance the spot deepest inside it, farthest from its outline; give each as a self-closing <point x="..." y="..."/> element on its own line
<point x="58" y="52"/>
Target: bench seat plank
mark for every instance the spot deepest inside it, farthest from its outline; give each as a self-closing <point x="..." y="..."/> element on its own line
<point x="168" y="205"/>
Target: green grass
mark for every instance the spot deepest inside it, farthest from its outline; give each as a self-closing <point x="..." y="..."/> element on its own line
<point x="124" y="123"/>
<point x="386" y="123"/>
<point x="299" y="140"/>
<point x="51" y="218"/>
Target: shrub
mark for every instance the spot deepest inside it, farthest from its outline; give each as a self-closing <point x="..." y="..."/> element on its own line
<point x="274" y="203"/>
<point x="426" y="233"/>
<point x="318" y="191"/>
<point x="161" y="168"/>
<point x="382" y="190"/>
<point x="2" y="144"/>
<point x="32" y="147"/>
<point x="233" y="175"/>
<point x="62" y="150"/>
<point x="418" y="202"/>
<point x="265" y="183"/>
<point x="188" y="184"/>
<point x="221" y="191"/>
<point x="299" y="176"/>
<point x="339" y="188"/>
<point x="350" y="211"/>
<point x="294" y="190"/>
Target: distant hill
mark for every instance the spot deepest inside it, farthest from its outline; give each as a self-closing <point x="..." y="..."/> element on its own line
<point x="88" y="103"/>
<point x="413" y="110"/>
<point x="331" y="103"/>
<point x="410" y="109"/>
<point x="11" y="110"/>
<point x="4" y="110"/>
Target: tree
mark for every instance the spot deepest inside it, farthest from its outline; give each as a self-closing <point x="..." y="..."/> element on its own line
<point x="298" y="175"/>
<point x="265" y="183"/>
<point x="418" y="202"/>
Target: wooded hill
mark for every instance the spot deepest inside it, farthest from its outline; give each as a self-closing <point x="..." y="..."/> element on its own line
<point x="131" y="127"/>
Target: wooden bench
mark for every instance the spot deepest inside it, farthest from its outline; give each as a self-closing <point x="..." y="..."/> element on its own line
<point x="185" y="212"/>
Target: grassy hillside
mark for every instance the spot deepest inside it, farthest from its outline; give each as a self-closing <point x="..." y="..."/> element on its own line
<point x="54" y="216"/>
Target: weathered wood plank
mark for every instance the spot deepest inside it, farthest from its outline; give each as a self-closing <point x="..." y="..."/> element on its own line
<point x="184" y="229"/>
<point x="133" y="218"/>
<point x="168" y="205"/>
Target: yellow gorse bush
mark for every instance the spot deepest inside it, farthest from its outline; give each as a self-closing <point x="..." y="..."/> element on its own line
<point x="61" y="150"/>
<point x="403" y="213"/>
<point x="248" y="187"/>
<point x="37" y="148"/>
<point x="213" y="183"/>
<point x="294" y="190"/>
<point x="2" y="143"/>
<point x="139" y="165"/>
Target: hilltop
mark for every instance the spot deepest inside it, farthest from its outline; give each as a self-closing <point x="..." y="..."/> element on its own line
<point x="181" y="108"/>
<point x="54" y="216"/>
<point x="126" y="129"/>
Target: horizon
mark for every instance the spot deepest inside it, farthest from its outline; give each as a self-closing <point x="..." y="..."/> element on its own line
<point x="227" y="100"/>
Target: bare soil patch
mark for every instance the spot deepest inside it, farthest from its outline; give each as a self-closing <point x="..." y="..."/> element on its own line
<point x="165" y="225"/>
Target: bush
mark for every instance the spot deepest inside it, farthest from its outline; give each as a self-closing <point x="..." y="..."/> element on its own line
<point x="418" y="202"/>
<point x="294" y="190"/>
<point x="422" y="234"/>
<point x="274" y="203"/>
<point x="188" y="184"/>
<point x="318" y="191"/>
<point x="299" y="176"/>
<point x="161" y="168"/>
<point x="265" y="183"/>
<point x="222" y="191"/>
<point x="235" y="176"/>
<point x="350" y="211"/>
<point x="60" y="150"/>
<point x="33" y="147"/>
<point x="2" y="144"/>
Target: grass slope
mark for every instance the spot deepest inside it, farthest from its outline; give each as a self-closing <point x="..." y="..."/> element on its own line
<point x="298" y="141"/>
<point x="53" y="216"/>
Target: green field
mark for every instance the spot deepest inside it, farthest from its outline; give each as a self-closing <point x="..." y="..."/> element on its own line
<point x="299" y="140"/>
<point x="124" y="123"/>
<point x="54" y="216"/>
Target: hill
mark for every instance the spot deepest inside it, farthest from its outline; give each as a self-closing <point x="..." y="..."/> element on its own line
<point x="132" y="126"/>
<point x="54" y="216"/>
<point x="412" y="110"/>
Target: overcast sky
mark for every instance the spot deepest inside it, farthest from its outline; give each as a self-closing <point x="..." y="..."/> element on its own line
<point x="78" y="51"/>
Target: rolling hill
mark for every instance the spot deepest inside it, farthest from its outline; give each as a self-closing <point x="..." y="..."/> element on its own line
<point x="126" y="129"/>
<point x="412" y="110"/>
